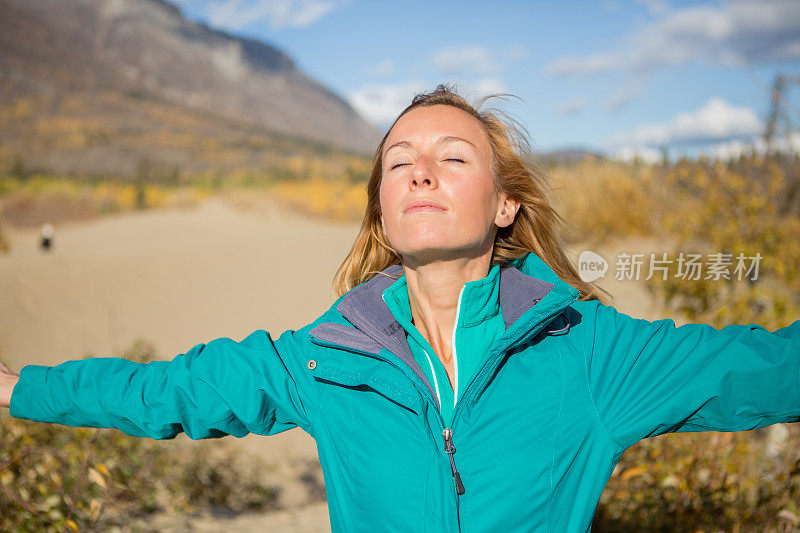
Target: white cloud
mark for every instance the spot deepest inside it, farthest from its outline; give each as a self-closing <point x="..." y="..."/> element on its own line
<point x="716" y="120"/>
<point x="383" y="68"/>
<point x="733" y="33"/>
<point x="789" y="143"/>
<point x="630" y="153"/>
<point x="476" y="60"/>
<point x="234" y="15"/>
<point x="723" y="151"/>
<point x="380" y="104"/>
<point x="571" y="106"/>
<point x="733" y="149"/>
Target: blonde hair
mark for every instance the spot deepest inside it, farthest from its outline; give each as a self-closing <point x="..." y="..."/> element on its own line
<point x="537" y="228"/>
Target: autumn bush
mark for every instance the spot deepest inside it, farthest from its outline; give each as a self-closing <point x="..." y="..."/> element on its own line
<point x="604" y="199"/>
<point x="59" y="478"/>
<point x="750" y="207"/>
<point x="747" y="481"/>
<point x="41" y="198"/>
<point x="334" y="200"/>
<point x="710" y="481"/>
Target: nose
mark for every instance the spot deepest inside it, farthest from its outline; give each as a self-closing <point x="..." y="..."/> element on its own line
<point x="422" y="173"/>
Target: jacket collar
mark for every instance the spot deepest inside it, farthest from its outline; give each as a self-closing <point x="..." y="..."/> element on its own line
<point x="364" y="307"/>
<point x="479" y="299"/>
<point x="530" y="293"/>
<point x="524" y="282"/>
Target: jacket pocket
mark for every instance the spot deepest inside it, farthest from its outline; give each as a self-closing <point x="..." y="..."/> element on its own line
<point x="370" y="382"/>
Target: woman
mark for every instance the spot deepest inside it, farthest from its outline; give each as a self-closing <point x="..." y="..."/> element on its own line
<point x="465" y="379"/>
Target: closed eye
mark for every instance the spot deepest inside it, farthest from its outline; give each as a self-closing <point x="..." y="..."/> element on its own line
<point x="449" y="159"/>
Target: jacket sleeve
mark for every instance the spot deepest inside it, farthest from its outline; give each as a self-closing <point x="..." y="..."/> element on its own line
<point x="648" y="378"/>
<point x="220" y="388"/>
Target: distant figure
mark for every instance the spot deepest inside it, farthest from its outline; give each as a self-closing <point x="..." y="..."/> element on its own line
<point x="47" y="236"/>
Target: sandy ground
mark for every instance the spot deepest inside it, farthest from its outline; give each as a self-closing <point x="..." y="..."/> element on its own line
<point x="178" y="277"/>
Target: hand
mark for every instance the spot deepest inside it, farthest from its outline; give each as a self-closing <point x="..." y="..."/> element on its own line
<point x="7" y="381"/>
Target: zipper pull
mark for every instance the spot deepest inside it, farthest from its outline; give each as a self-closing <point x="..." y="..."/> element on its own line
<point x="450" y="449"/>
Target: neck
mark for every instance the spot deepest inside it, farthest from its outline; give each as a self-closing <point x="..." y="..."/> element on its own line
<point x="433" y="291"/>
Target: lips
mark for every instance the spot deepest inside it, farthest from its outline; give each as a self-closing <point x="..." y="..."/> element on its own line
<point x="423" y="206"/>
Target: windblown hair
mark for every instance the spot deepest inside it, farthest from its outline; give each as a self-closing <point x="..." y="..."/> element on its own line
<point x="537" y="227"/>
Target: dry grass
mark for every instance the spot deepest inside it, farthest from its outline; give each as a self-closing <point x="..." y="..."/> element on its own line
<point x="335" y="200"/>
<point x="39" y="199"/>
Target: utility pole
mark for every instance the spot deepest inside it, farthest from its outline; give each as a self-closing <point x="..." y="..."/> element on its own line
<point x="778" y="106"/>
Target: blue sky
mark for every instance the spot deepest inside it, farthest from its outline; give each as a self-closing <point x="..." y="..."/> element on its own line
<point x="613" y="76"/>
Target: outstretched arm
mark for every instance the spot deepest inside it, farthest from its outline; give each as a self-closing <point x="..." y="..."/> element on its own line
<point x="220" y="388"/>
<point x="7" y="381"/>
<point x="648" y="378"/>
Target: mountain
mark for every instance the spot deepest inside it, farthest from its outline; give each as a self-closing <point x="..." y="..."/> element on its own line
<point x="115" y="81"/>
<point x="567" y="157"/>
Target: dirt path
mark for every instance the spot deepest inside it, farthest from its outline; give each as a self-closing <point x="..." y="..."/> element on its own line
<point x="180" y="277"/>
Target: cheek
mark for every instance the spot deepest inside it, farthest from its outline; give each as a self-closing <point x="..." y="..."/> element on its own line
<point x="383" y="198"/>
<point x="388" y="201"/>
<point x="479" y="199"/>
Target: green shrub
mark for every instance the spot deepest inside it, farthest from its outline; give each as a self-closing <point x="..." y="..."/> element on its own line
<point x="54" y="477"/>
<point x="710" y="481"/>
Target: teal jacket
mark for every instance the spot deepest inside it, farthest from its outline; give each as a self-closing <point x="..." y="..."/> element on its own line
<point x="554" y="402"/>
<point x="478" y="324"/>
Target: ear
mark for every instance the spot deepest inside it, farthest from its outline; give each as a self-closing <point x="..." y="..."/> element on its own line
<point x="507" y="210"/>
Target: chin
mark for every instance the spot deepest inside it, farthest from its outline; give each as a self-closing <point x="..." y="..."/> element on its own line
<point x="421" y="242"/>
<point x="430" y="249"/>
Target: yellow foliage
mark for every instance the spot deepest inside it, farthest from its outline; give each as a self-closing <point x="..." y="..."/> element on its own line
<point x="43" y="198"/>
<point x="336" y="200"/>
<point x="22" y="108"/>
<point x="712" y="481"/>
<point x="606" y="198"/>
<point x="156" y="196"/>
<point x="126" y="197"/>
<point x="296" y="164"/>
<point x="736" y="208"/>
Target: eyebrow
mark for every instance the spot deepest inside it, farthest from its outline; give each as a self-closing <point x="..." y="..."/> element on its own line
<point x="441" y="140"/>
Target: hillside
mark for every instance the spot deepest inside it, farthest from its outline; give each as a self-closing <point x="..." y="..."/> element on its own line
<point x="94" y="86"/>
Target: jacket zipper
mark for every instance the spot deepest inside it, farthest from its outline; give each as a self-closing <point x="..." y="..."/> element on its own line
<point x="448" y="442"/>
<point x="449" y="448"/>
<point x="447" y="434"/>
<point x="494" y="361"/>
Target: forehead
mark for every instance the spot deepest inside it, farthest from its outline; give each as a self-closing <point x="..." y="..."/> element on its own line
<point x="426" y="124"/>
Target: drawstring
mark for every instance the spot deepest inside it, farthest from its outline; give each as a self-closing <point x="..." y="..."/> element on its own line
<point x="552" y="331"/>
<point x="537" y="300"/>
